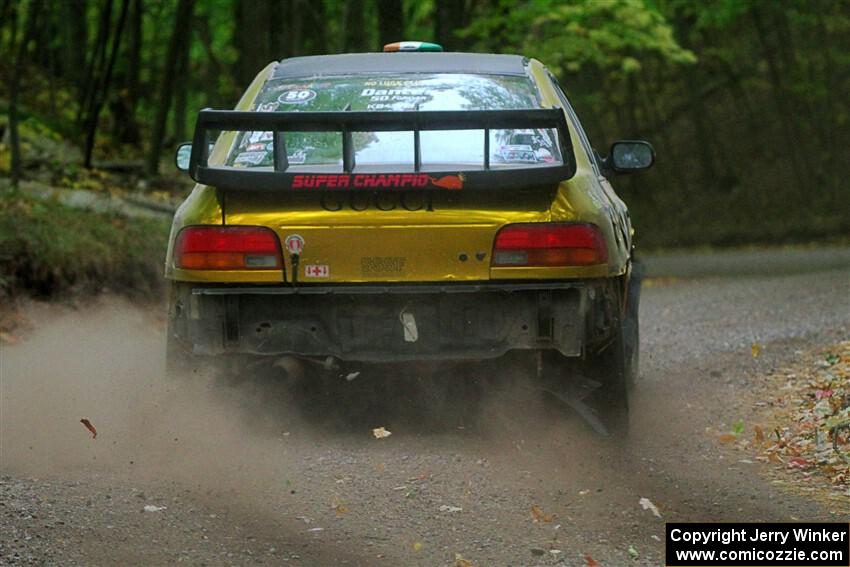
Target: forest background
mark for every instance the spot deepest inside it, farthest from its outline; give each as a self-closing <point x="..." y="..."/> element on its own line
<point x="745" y="102"/>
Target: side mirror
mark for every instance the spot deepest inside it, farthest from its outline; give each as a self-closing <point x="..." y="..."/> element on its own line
<point x="628" y="156"/>
<point x="183" y="156"/>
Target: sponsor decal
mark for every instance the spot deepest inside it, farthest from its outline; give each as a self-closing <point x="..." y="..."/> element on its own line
<point x="256" y="137"/>
<point x="395" y="82"/>
<point x="359" y="181"/>
<point x="382" y="265"/>
<point x="410" y="201"/>
<point x="268" y="106"/>
<point x="296" y="96"/>
<point x="294" y="244"/>
<point x="259" y="147"/>
<point x="317" y="271"/>
<point x="298" y="157"/>
<point x="448" y="182"/>
<point x="254" y="158"/>
<point x="377" y="181"/>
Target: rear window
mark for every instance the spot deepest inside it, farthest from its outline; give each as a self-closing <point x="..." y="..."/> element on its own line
<point x="399" y="93"/>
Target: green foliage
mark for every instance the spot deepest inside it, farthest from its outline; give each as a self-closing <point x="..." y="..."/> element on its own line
<point x="49" y="248"/>
<point x="613" y="36"/>
<point x="743" y="100"/>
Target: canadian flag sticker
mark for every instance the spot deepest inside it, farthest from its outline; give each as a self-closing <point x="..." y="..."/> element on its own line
<point x="317" y="271"/>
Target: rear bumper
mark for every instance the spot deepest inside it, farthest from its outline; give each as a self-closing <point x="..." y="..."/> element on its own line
<point x="388" y="323"/>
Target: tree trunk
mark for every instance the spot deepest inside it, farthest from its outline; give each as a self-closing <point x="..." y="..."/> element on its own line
<point x="316" y="22"/>
<point x="97" y="59"/>
<point x="793" y="143"/>
<point x="102" y="86"/>
<point x="76" y="37"/>
<point x="14" y="142"/>
<point x="9" y="13"/>
<point x="181" y="91"/>
<point x="449" y="17"/>
<point x="277" y="27"/>
<point x="213" y="67"/>
<point x="354" y="28"/>
<point x="130" y="129"/>
<point x="252" y="46"/>
<point x="296" y="27"/>
<point x="390" y="22"/>
<point x="182" y="31"/>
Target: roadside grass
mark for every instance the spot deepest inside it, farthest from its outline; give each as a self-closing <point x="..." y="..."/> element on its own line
<point x="50" y="250"/>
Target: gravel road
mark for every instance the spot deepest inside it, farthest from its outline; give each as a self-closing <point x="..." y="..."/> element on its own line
<point x="233" y="475"/>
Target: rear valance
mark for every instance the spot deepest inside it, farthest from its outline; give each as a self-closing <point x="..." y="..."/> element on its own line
<point x="283" y="175"/>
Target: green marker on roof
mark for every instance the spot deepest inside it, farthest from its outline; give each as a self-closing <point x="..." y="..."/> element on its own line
<point x="412" y="46"/>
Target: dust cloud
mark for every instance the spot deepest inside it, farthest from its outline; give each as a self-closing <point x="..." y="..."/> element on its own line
<point x="105" y="362"/>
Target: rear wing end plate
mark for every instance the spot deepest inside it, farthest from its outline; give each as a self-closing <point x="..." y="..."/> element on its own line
<point x="284" y="176"/>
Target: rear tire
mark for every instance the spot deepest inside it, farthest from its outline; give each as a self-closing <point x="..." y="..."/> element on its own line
<point x="614" y="365"/>
<point x="631" y="326"/>
<point x="610" y="367"/>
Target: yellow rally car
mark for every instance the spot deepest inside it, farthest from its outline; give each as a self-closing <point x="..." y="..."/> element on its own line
<point x="388" y="207"/>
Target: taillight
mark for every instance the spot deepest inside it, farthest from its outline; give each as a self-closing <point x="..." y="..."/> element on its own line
<point x="549" y="244"/>
<point x="227" y="248"/>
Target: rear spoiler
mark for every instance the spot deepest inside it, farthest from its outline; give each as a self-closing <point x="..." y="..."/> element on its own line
<point x="283" y="177"/>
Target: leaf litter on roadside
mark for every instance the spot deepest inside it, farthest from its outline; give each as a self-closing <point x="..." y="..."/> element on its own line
<point x="812" y="415"/>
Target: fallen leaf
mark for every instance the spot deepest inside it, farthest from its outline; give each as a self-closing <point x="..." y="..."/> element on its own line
<point x="461" y="562"/>
<point x="417" y="546"/>
<point x="738" y="427"/>
<point x="647" y="504"/>
<point x="759" y="434"/>
<point x="450" y="509"/>
<point x="823" y="394"/>
<point x="381" y="433"/>
<point x="799" y="462"/>
<point x="90" y="427"/>
<point x="633" y="553"/>
<point x="591" y="562"/>
<point x="755" y="350"/>
<point x="726" y="438"/>
<point x="538" y="515"/>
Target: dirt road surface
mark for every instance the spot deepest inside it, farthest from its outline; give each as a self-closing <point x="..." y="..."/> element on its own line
<point x="233" y="474"/>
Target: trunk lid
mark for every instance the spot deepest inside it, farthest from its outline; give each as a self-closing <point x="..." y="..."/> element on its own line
<point x="389" y="236"/>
